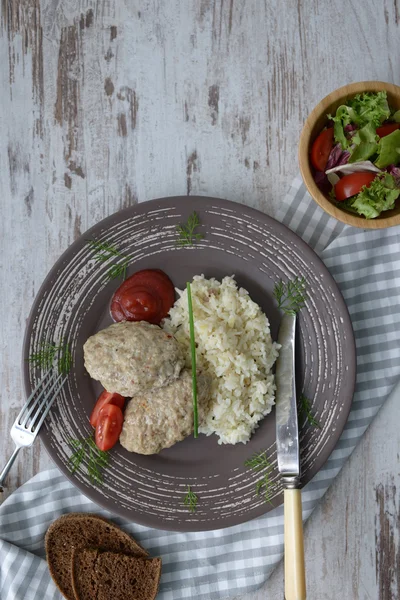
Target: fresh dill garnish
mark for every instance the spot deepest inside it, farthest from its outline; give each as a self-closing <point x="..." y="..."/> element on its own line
<point x="96" y="459"/>
<point x="48" y="352"/>
<point x="264" y="486"/>
<point x="77" y="457"/>
<point x="291" y="296"/>
<point x="259" y="462"/>
<point x="106" y="251"/>
<point x="65" y="360"/>
<point x="305" y="414"/>
<point x="187" y="236"/>
<point x="193" y="355"/>
<point x="190" y="500"/>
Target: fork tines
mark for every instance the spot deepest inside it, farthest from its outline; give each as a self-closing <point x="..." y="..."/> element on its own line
<point x="39" y="402"/>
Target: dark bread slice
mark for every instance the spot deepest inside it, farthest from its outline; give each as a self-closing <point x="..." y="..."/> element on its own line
<point x="84" y="582"/>
<point x="110" y="575"/>
<point x="80" y="530"/>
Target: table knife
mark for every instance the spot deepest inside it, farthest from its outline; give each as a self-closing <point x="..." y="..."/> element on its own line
<point x="288" y="453"/>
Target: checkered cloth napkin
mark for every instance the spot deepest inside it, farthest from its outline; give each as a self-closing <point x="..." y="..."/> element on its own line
<point x="216" y="564"/>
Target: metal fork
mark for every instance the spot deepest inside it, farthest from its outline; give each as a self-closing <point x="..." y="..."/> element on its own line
<point x="26" y="426"/>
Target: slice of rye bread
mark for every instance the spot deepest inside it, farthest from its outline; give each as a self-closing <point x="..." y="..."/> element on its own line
<point x="114" y="576"/>
<point x="80" y="530"/>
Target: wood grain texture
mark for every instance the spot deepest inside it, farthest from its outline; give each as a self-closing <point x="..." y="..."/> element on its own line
<point x="108" y="103"/>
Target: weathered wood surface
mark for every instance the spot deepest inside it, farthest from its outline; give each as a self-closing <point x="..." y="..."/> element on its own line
<point x="108" y="103"/>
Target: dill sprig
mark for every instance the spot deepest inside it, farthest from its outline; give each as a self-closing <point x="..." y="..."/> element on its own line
<point x="291" y="296"/>
<point x="106" y="251"/>
<point x="193" y="355"/>
<point x="75" y="460"/>
<point x="190" y="500"/>
<point x="49" y="351"/>
<point x="186" y="233"/>
<point x="96" y="459"/>
<point x="259" y="462"/>
<point x="305" y="413"/>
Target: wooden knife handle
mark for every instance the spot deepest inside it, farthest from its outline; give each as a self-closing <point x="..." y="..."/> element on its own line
<point x="295" y="576"/>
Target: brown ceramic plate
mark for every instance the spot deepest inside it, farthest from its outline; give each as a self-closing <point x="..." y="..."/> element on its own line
<point x="73" y="303"/>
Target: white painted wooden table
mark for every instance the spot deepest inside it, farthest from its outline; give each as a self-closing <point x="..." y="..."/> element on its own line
<point x="107" y="103"/>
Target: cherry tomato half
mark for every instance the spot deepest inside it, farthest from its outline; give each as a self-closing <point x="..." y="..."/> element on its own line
<point x="321" y="149"/>
<point x="350" y="185"/>
<point x="109" y="426"/>
<point x="387" y="129"/>
<point x="102" y="400"/>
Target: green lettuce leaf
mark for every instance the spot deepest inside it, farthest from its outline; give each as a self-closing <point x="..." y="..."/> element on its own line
<point x="365" y="134"/>
<point x="363" y="152"/>
<point x="378" y="197"/>
<point x="365" y="141"/>
<point x="389" y="150"/>
<point x="396" y="117"/>
<point x="368" y="108"/>
<point x="339" y="134"/>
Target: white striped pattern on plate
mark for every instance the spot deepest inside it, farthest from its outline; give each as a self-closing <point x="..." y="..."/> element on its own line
<point x="216" y="564"/>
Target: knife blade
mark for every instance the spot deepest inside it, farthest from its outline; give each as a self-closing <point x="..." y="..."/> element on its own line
<point x="288" y="451"/>
<point x="287" y="431"/>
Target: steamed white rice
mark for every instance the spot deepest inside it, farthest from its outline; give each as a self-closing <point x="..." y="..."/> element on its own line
<point x="234" y="345"/>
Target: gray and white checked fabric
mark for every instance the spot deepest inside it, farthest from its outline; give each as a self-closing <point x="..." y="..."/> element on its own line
<point x="216" y="564"/>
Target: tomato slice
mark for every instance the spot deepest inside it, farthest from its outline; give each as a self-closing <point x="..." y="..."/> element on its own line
<point x="102" y="400"/>
<point x="321" y="149"/>
<point x="350" y="185"/>
<point x="109" y="426"/>
<point x="387" y="129"/>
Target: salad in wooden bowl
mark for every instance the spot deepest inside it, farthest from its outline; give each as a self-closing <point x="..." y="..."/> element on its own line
<point x="349" y="154"/>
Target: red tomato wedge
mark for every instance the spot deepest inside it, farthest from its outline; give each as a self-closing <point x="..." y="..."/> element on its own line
<point x="350" y="185"/>
<point x="321" y="149"/>
<point x="109" y="426"/>
<point x="102" y="400"/>
<point x="387" y="129"/>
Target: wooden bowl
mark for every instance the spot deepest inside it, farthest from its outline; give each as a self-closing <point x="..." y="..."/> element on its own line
<point x="316" y="121"/>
